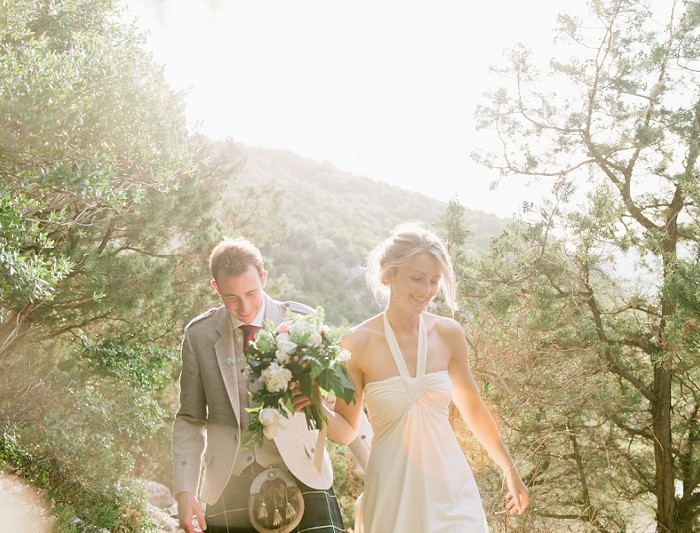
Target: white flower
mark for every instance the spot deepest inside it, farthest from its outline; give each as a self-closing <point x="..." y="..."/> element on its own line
<point x="315" y="339"/>
<point x="284" y="348"/>
<point x="344" y="356"/>
<point x="271" y="419"/>
<point x="324" y="329"/>
<point x="276" y="377"/>
<point x="282" y="357"/>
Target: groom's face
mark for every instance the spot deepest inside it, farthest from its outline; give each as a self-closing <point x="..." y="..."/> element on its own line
<point x="243" y="294"/>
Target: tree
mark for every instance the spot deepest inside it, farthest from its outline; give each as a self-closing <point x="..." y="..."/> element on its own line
<point x="620" y="121"/>
<point x="95" y="159"/>
<point x="107" y="208"/>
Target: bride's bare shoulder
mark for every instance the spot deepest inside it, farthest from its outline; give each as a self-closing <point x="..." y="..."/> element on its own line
<point x="445" y="325"/>
<point x="364" y="333"/>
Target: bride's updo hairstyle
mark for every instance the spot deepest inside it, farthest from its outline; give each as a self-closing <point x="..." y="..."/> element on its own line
<point x="406" y="240"/>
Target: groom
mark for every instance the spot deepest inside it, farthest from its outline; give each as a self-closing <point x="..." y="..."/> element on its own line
<point x="212" y="417"/>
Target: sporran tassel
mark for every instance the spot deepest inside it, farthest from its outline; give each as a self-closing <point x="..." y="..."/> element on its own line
<point x="262" y="512"/>
<point x="277" y="520"/>
<point x="289" y="511"/>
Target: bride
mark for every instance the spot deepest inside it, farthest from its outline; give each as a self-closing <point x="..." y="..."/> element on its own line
<point x="408" y="365"/>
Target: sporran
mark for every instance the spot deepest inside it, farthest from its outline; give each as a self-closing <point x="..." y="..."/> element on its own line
<point x="275" y="503"/>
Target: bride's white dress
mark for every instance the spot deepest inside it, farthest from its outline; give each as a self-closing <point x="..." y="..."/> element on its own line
<point x="417" y="479"/>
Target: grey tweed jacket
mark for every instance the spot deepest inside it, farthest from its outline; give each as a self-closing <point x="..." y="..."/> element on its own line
<point x="207" y="423"/>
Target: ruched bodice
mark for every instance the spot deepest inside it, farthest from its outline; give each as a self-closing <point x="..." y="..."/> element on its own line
<point x="394" y="400"/>
<point x="417" y="478"/>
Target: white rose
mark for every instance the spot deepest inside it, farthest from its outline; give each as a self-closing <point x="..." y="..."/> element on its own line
<point x="276" y="377"/>
<point x="282" y="357"/>
<point x="324" y="329"/>
<point x="344" y="356"/>
<point x="315" y="339"/>
<point x="271" y="419"/>
<point x="284" y="348"/>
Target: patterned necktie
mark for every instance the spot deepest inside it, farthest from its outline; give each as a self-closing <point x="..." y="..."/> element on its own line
<point x="249" y="332"/>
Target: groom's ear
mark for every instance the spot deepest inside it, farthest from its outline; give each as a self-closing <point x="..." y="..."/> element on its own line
<point x="263" y="278"/>
<point x="216" y="286"/>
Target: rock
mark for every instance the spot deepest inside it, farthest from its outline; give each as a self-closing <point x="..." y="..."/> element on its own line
<point x="22" y="506"/>
<point x="172" y="510"/>
<point x="159" y="495"/>
<point x="163" y="521"/>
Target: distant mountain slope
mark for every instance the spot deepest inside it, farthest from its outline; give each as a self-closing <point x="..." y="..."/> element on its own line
<point x="333" y="219"/>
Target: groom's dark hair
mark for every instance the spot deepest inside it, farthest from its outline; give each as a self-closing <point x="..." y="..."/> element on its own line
<point x="232" y="257"/>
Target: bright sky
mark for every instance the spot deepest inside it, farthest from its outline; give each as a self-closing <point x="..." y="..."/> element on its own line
<point x="380" y="88"/>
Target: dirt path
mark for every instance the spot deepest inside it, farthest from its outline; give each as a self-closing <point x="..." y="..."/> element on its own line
<point x="21" y="507"/>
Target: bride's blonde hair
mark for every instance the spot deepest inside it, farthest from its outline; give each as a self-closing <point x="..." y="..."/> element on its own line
<point x="406" y="240"/>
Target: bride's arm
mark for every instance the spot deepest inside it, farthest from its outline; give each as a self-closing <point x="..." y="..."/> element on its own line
<point x="478" y="417"/>
<point x="346" y="418"/>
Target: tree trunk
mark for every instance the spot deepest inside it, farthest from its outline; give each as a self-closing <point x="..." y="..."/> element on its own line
<point x="663" y="372"/>
<point x="665" y="497"/>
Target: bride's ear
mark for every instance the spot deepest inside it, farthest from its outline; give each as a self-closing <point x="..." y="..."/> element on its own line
<point x="387" y="277"/>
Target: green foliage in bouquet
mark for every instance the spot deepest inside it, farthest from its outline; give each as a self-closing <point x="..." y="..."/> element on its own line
<point x="303" y="350"/>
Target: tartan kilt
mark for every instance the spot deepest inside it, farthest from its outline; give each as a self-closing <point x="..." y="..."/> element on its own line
<point x="229" y="514"/>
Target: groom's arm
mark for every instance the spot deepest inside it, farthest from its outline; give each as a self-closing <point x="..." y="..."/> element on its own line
<point x="190" y="424"/>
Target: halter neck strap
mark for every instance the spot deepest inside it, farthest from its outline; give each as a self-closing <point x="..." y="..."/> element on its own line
<point x="399" y="359"/>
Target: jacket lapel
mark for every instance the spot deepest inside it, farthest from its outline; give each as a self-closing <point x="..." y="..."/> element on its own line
<point x="225" y="356"/>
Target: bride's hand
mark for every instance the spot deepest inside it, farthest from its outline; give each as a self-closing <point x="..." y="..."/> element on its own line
<point x="299" y="399"/>
<point x="518" y="494"/>
<point x="284" y="327"/>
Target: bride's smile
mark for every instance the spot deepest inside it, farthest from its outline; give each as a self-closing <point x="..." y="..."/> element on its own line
<point x="416" y="281"/>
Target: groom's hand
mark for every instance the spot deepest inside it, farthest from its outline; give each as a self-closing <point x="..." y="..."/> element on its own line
<point x="189" y="511"/>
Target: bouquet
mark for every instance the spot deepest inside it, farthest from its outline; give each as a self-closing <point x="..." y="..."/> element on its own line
<point x="303" y="350"/>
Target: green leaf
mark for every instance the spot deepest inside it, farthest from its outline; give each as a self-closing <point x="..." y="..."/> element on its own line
<point x="306" y="384"/>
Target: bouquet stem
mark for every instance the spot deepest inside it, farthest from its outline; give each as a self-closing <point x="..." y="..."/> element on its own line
<point x="315" y="416"/>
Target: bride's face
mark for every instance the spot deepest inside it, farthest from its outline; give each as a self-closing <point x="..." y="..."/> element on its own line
<point x="414" y="283"/>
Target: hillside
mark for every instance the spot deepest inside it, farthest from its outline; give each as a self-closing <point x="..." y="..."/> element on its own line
<point x="330" y="220"/>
